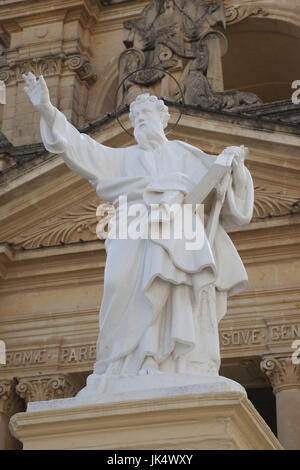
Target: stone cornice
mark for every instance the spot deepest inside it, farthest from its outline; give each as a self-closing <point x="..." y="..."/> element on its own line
<point x="78" y="263"/>
<point x="16" y="14"/>
<point x="106" y="130"/>
<point x="255" y="117"/>
<point x="114" y="15"/>
<point x="35" y="12"/>
<point x="47" y="177"/>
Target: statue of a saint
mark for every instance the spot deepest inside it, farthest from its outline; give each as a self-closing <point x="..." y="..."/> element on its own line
<point x="161" y="303"/>
<point x="197" y="90"/>
<point x="166" y="35"/>
<point x="184" y="38"/>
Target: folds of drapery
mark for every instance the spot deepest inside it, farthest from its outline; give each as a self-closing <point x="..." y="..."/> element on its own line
<point x="82" y="154"/>
<point x="142" y="276"/>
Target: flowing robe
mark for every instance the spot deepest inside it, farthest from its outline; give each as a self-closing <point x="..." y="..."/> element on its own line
<point x="161" y="301"/>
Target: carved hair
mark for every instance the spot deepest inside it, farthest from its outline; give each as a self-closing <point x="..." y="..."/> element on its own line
<point x="159" y="104"/>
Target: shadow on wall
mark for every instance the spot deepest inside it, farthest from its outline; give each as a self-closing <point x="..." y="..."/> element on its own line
<point x="265" y="402"/>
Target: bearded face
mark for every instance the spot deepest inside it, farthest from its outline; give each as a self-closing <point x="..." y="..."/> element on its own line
<point x="148" y="126"/>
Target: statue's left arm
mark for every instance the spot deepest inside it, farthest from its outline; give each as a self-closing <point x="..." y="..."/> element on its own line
<point x="238" y="204"/>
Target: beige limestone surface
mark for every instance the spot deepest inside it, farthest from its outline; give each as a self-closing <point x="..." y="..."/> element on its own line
<point x="211" y="421"/>
<point x="50" y="296"/>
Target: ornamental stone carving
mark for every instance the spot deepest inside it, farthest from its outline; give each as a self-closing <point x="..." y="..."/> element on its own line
<point x="198" y="91"/>
<point x="82" y="66"/>
<point x="281" y="371"/>
<point x="48" y="66"/>
<point x="236" y="13"/>
<point x="271" y="203"/>
<point x="79" y="222"/>
<point x="10" y="403"/>
<point x="181" y="37"/>
<point x="49" y="387"/>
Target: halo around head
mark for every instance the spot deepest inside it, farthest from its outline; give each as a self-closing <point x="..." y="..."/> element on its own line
<point x="151" y="98"/>
<point x="159" y="105"/>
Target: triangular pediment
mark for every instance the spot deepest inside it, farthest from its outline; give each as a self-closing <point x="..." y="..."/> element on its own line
<point x="45" y="204"/>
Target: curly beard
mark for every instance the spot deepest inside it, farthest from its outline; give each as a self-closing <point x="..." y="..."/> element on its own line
<point x="149" y="134"/>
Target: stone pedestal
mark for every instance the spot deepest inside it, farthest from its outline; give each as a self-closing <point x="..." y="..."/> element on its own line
<point x="179" y="417"/>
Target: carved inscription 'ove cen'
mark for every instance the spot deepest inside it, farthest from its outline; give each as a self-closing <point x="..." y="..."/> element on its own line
<point x="248" y="337"/>
<point x="259" y="336"/>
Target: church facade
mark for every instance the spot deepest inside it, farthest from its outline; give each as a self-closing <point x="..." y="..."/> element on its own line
<point x="237" y="67"/>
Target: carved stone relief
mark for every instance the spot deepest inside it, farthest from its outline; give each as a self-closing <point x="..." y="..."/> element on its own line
<point x="77" y="223"/>
<point x="49" y="66"/>
<point x="10" y="402"/>
<point x="182" y="37"/>
<point x="49" y="387"/>
<point x="197" y="89"/>
<point x="281" y="371"/>
<point x="82" y="66"/>
<point x="236" y="13"/>
<point x="80" y="221"/>
<point x="269" y="202"/>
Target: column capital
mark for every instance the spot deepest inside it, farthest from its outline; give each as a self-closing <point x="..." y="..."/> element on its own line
<point x="281" y="371"/>
<point x="49" y="386"/>
<point x="10" y="402"/>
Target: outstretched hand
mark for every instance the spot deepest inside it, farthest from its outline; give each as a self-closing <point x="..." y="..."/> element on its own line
<point x="37" y="91"/>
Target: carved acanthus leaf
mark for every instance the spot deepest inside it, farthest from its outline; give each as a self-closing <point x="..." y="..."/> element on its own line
<point x="49" y="66"/>
<point x="270" y="202"/>
<point x="71" y="226"/>
<point x="236" y="12"/>
<point x="80" y="222"/>
<point x="49" y="387"/>
<point x="46" y="66"/>
<point x="281" y="371"/>
<point x="10" y="403"/>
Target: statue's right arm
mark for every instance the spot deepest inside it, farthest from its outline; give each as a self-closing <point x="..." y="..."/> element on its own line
<point x="81" y="153"/>
<point x="38" y="94"/>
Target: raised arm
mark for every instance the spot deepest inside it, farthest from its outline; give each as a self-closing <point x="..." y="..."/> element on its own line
<point x="80" y="152"/>
<point x="38" y="93"/>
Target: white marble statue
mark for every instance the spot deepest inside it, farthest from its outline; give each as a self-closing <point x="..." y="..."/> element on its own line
<point x="161" y="307"/>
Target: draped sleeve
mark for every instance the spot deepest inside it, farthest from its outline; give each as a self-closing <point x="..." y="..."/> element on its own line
<point x="81" y="153"/>
<point x="237" y="211"/>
